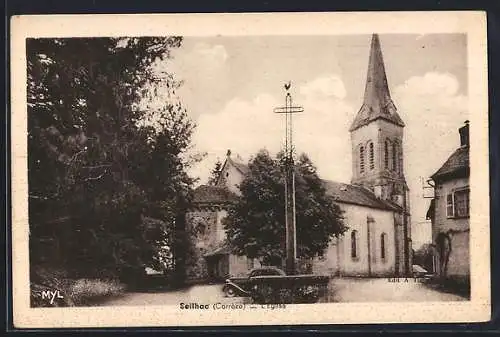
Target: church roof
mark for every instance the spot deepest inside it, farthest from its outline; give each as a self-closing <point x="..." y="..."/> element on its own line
<point x="357" y="195"/>
<point x="240" y="166"/>
<point x="213" y="194"/>
<point x="222" y="248"/>
<point x="457" y="165"/>
<point x="243" y="168"/>
<point x="377" y="102"/>
<point x="342" y="193"/>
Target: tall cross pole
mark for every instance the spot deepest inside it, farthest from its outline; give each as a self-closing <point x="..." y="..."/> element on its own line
<point x="290" y="217"/>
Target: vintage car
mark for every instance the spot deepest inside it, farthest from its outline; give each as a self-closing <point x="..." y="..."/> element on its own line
<point x="144" y="278"/>
<point x="240" y="286"/>
<point x="420" y="272"/>
<point x="271" y="285"/>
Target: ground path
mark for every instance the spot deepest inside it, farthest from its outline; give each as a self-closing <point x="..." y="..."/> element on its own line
<point x="341" y="290"/>
<point x="385" y="290"/>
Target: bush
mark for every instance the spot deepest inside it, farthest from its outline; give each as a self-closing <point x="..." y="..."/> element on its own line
<point x="37" y="300"/>
<point x="459" y="285"/>
<point x="89" y="291"/>
<point x="70" y="292"/>
<point x="49" y="279"/>
<point x="288" y="289"/>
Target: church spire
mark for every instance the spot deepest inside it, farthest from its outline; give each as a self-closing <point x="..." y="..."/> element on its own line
<point x="377" y="102"/>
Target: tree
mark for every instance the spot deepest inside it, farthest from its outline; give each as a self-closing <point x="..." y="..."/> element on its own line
<point x="255" y="225"/>
<point x="214" y="174"/>
<point x="101" y="157"/>
<point x="423" y="256"/>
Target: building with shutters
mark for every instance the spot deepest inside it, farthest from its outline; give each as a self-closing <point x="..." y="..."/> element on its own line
<point x="449" y="212"/>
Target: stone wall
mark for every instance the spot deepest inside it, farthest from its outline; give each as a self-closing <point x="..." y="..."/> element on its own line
<point x="201" y="226"/>
<point x="238" y="265"/>
<point x="369" y="260"/>
<point x="459" y="262"/>
<point x="457" y="230"/>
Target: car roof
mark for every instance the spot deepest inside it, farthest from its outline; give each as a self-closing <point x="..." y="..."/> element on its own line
<point x="267" y="268"/>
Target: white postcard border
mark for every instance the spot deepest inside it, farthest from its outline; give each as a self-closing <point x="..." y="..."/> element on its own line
<point x="471" y="23"/>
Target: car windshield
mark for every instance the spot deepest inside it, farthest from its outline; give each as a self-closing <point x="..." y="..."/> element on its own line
<point x="265" y="272"/>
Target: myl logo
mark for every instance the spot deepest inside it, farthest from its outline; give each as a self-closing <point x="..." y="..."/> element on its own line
<point x="51" y="295"/>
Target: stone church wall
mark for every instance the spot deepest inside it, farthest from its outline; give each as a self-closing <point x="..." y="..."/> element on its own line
<point x="238" y="265"/>
<point x="200" y="225"/>
<point x="338" y="260"/>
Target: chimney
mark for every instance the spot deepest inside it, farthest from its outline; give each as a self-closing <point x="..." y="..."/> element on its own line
<point x="464" y="134"/>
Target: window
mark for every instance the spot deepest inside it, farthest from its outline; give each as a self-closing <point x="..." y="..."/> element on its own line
<point x="200" y="229"/>
<point x="354" y="248"/>
<point x="386" y="155"/>
<point x="457" y="204"/>
<point x="372" y="156"/>
<point x="265" y="272"/>
<point x="321" y="256"/>
<point x="395" y="157"/>
<point x="462" y="203"/>
<point x="382" y="245"/>
<point x="361" y="159"/>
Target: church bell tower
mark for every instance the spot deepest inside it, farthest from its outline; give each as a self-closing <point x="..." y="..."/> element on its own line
<point x="377" y="135"/>
<point x="377" y="152"/>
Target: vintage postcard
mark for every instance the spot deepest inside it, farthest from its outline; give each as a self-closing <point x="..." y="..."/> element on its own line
<point x="249" y="169"/>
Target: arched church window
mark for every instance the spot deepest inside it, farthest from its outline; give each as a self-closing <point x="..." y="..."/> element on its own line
<point x="361" y="159"/>
<point x="400" y="160"/>
<point x="383" y="239"/>
<point x="395" y="149"/>
<point x="386" y="154"/>
<point x="372" y="156"/>
<point x="354" y="244"/>
<point x="200" y="229"/>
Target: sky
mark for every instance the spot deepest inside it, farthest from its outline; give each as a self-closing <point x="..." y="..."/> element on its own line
<point x="232" y="84"/>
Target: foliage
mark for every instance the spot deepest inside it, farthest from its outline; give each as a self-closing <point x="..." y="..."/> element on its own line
<point x="70" y="292"/>
<point x="214" y="174"/>
<point x="102" y="155"/>
<point x="87" y="291"/>
<point x="424" y="257"/>
<point x="289" y="289"/>
<point x="255" y="225"/>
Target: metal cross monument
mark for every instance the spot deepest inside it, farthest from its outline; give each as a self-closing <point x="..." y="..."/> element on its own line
<point x="290" y="217"/>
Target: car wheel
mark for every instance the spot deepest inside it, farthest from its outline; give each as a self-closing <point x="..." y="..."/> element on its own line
<point x="229" y="292"/>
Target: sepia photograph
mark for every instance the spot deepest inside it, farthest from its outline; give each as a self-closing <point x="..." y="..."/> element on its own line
<point x="245" y="173"/>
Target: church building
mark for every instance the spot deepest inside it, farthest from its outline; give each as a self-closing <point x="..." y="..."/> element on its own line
<point x="375" y="203"/>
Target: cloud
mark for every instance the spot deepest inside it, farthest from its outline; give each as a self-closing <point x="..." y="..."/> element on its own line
<point x="323" y="87"/>
<point x="431" y="106"/>
<point x="199" y="61"/>
<point x="431" y="83"/>
<point x="216" y="54"/>
<point x="433" y="109"/>
<point x="245" y="126"/>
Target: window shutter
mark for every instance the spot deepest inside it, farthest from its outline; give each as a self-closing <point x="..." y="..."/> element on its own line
<point x="449" y="206"/>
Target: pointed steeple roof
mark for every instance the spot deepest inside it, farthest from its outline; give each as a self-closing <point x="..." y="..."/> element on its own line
<point x="377" y="102"/>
